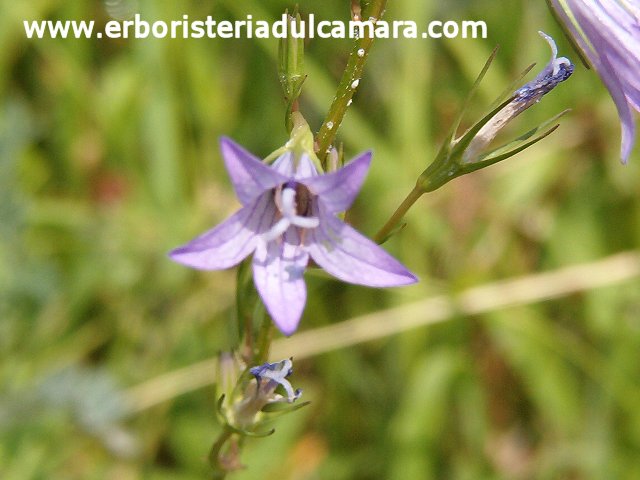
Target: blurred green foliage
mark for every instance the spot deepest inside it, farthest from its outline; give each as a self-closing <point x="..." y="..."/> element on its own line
<point x="109" y="158"/>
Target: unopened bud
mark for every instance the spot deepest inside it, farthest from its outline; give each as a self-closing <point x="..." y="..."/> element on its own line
<point x="291" y="63"/>
<point x="468" y="153"/>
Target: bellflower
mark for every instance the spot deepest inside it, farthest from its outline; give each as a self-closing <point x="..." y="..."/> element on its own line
<point x="288" y="215"/>
<point x="608" y="34"/>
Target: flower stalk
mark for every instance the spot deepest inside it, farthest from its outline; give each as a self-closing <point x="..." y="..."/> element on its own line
<point x="372" y="11"/>
<point x="394" y="223"/>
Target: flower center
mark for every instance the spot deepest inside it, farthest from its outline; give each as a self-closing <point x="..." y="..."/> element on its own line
<point x="294" y="204"/>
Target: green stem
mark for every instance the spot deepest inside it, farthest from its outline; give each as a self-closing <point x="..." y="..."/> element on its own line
<point x="399" y="214"/>
<point x="214" y="455"/>
<point x="263" y="342"/>
<point x="245" y="297"/>
<point x="348" y="84"/>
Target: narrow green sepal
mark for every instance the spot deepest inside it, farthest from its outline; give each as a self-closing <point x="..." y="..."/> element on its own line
<point x="276" y="409"/>
<point x="463" y="142"/>
<point x="442" y="172"/>
<point x="513" y="86"/>
<point x="519" y="144"/>
<point x="268" y="433"/>
<point x="472" y="93"/>
<point x="472" y="167"/>
<point x="448" y="163"/>
<point x="222" y="417"/>
<point x="251" y="433"/>
<point x="393" y="232"/>
<point x="437" y="175"/>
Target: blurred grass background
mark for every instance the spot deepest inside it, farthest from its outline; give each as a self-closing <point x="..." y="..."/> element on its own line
<point x="109" y="158"/>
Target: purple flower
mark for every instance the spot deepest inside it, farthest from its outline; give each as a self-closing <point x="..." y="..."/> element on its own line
<point x="275" y="374"/>
<point x="608" y="33"/>
<point x="288" y="214"/>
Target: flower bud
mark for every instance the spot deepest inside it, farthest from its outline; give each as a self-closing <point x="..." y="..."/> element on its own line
<point x="469" y="152"/>
<point x="291" y="64"/>
<point x="556" y="71"/>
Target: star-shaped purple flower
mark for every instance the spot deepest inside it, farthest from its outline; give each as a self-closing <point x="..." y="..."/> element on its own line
<point x="288" y="214"/>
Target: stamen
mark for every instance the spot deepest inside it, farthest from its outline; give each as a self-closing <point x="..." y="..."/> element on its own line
<point x="288" y="208"/>
<point x="277" y="373"/>
<point x="305" y="222"/>
<point x="277" y="230"/>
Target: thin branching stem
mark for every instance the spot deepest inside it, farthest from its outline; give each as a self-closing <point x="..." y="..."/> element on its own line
<point x="350" y="79"/>
<point x="216" y="450"/>
<point x="395" y="219"/>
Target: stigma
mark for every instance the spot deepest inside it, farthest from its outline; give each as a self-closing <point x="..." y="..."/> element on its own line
<point x="293" y="201"/>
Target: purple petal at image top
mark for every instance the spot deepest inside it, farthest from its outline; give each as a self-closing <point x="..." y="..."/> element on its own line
<point x="608" y="33"/>
<point x="288" y="215"/>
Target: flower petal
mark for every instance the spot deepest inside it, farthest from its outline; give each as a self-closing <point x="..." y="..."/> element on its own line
<point x="353" y="258"/>
<point x="285" y="164"/>
<point x="337" y="190"/>
<point x="627" y="122"/>
<point x="612" y="57"/>
<point x="249" y="175"/>
<point x="278" y="269"/>
<point x="609" y="35"/>
<point x="227" y="244"/>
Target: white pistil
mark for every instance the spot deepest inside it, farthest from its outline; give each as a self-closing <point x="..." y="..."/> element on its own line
<point x="555" y="61"/>
<point x="287" y="207"/>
